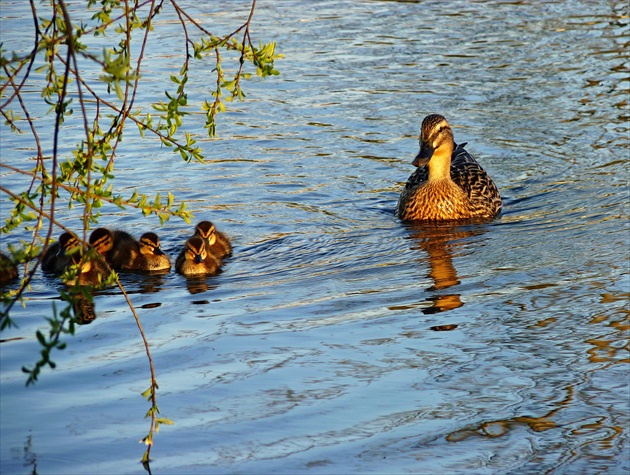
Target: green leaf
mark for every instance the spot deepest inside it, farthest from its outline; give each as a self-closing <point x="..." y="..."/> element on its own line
<point x="41" y="338"/>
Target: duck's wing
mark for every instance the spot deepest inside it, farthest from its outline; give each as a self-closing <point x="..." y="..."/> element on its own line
<point x="478" y="186"/>
<point x="461" y="156"/>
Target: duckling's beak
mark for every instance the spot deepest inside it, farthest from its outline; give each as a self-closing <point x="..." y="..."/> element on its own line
<point x="198" y="259"/>
<point x="158" y="252"/>
<point x="424" y="155"/>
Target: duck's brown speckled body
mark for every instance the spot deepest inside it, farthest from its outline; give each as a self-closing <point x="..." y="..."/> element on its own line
<point x="448" y="184"/>
<point x="92" y="271"/>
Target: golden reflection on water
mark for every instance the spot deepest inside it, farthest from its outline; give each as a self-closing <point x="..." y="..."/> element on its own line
<point x="440" y="242"/>
<point x="501" y="427"/>
<point x="611" y="347"/>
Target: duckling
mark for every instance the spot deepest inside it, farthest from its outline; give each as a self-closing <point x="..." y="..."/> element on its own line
<point x="221" y="246"/>
<point x="62" y="254"/>
<point x="151" y="256"/>
<point x="55" y="259"/>
<point x="195" y="258"/>
<point x="448" y="184"/>
<point x="93" y="270"/>
<point x="8" y="269"/>
<point x="119" y="248"/>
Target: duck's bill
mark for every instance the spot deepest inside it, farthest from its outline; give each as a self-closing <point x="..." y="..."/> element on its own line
<point x="424" y="155"/>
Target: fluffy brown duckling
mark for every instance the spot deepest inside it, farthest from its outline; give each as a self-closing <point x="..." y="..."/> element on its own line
<point x="220" y="246"/>
<point x="151" y="257"/>
<point x="123" y="252"/>
<point x="92" y="271"/>
<point x="119" y="248"/>
<point x="56" y="259"/>
<point x="195" y="259"/>
<point x="8" y="269"/>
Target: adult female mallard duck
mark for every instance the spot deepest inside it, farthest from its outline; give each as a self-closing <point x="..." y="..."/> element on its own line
<point x="195" y="258"/>
<point x="448" y="184"/>
<point x="217" y="242"/>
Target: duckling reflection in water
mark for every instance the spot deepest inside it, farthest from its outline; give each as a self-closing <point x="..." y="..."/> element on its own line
<point x="448" y="184"/>
<point x="195" y="259"/>
<point x="123" y="252"/>
<point x="220" y="246"/>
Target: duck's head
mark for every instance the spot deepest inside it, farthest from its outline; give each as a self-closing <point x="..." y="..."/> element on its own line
<point x="102" y="240"/>
<point x="196" y="249"/>
<point x="150" y="244"/>
<point x="436" y="138"/>
<point x="206" y="230"/>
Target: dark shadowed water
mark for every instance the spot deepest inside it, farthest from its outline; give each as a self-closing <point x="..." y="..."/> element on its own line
<point x="338" y="340"/>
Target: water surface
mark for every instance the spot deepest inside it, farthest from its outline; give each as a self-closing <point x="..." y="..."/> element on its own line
<point x="337" y="339"/>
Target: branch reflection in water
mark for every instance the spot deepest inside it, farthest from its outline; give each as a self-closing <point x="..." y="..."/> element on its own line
<point x="441" y="241"/>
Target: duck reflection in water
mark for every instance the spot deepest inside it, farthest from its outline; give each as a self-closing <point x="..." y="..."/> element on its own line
<point x="440" y="241"/>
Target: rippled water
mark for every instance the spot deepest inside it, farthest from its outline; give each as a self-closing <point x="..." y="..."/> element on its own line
<point x="337" y="339"/>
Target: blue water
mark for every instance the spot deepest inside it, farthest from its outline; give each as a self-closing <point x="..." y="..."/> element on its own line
<point x="337" y="339"/>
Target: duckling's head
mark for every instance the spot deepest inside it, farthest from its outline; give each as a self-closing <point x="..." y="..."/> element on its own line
<point x="436" y="138"/>
<point x="67" y="242"/>
<point x="205" y="229"/>
<point x="196" y="249"/>
<point x="150" y="244"/>
<point x="71" y="247"/>
<point x="102" y="240"/>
